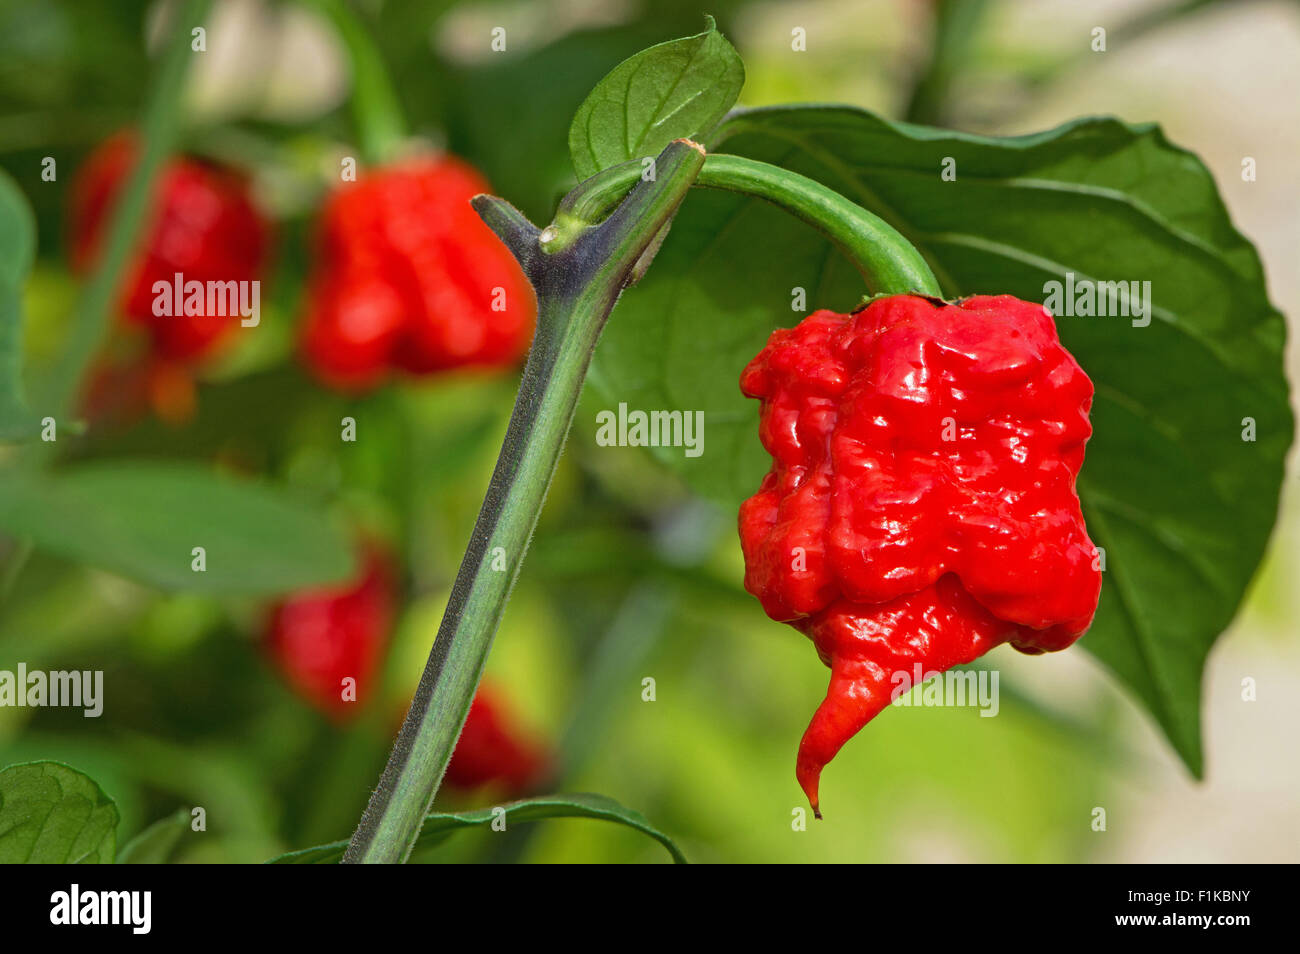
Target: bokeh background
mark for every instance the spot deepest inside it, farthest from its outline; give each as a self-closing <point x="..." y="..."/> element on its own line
<point x="629" y="576"/>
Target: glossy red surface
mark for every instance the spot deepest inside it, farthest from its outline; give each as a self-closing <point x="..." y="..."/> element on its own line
<point x="921" y="506"/>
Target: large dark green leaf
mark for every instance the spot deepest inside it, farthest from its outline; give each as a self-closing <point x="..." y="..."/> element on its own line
<point x="439" y="827"/>
<point x="671" y="91"/>
<point x="17" y="248"/>
<point x="1181" y="504"/>
<point x="52" y="814"/>
<point x="143" y="520"/>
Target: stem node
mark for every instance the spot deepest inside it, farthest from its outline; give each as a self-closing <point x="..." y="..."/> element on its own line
<point x="576" y="288"/>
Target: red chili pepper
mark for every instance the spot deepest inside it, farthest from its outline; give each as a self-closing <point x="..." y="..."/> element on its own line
<point x="320" y="637"/>
<point x="492" y="750"/>
<point x="117" y="393"/>
<point x="921" y="505"/>
<point x="408" y="277"/>
<point x="202" y="224"/>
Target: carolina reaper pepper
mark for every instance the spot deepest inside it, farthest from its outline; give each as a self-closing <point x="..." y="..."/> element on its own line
<point x="202" y="223"/>
<point x="320" y="636"/>
<point x="492" y="749"/>
<point x="408" y="277"/>
<point x="921" y="506"/>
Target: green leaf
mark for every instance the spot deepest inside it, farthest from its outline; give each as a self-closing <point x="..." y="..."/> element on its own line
<point x="52" y="814"/>
<point x="17" y="233"/>
<point x="1181" y="504"/>
<point x="142" y="520"/>
<point x="675" y="90"/>
<point x="157" y="843"/>
<point x="17" y="249"/>
<point x="438" y="827"/>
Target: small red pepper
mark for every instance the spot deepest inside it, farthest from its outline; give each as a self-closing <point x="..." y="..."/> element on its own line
<point x="320" y="637"/>
<point x="921" y="506"/>
<point x="202" y="223"/>
<point x="492" y="750"/>
<point x="407" y="276"/>
<point x="119" y="392"/>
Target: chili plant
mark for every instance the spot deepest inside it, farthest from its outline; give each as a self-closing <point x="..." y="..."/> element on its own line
<point x="1015" y="216"/>
<point x="977" y="309"/>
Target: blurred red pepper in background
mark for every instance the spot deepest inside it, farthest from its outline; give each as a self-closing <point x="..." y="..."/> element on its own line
<point x="201" y="224"/>
<point x="317" y="638"/>
<point x="493" y="751"/>
<point x="408" y="277"/>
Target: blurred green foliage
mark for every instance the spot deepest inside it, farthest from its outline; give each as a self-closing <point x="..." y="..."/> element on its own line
<point x="195" y="716"/>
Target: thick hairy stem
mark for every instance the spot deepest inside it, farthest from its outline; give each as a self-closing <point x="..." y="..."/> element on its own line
<point x="577" y="282"/>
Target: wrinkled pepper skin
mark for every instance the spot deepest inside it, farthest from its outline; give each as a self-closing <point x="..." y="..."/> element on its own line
<point x="201" y="222"/>
<point x="408" y="277"/>
<point x="493" y="751"/>
<point x="921" y="505"/>
<point x="318" y="637"/>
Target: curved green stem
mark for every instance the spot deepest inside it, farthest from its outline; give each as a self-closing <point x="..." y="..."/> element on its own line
<point x="160" y="126"/>
<point x="888" y="261"/>
<point x="576" y="287"/>
<point x="376" y="112"/>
